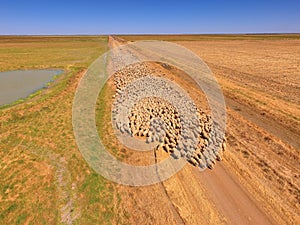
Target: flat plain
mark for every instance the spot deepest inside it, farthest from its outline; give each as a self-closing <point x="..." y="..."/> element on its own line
<point x="258" y="180"/>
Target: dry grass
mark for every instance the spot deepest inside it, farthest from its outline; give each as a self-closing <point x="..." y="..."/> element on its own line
<point x="43" y="177"/>
<point x="211" y="37"/>
<point x="30" y="52"/>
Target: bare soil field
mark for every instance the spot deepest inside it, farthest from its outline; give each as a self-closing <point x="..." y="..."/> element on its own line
<point x="261" y="80"/>
<point x="258" y="181"/>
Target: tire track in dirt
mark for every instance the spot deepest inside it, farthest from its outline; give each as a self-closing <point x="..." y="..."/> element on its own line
<point x="265" y="123"/>
<point x="230" y="198"/>
<point x="175" y="212"/>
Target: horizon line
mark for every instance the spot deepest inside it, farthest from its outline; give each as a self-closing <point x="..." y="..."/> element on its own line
<point x="160" y="34"/>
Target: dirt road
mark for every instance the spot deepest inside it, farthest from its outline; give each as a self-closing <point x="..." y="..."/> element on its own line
<point x="243" y="189"/>
<point x="230" y="198"/>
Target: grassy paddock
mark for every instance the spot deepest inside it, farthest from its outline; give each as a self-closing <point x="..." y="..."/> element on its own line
<point x="37" y="145"/>
<point x="32" y="52"/>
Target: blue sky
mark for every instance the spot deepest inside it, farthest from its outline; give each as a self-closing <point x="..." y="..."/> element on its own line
<point x="136" y="17"/>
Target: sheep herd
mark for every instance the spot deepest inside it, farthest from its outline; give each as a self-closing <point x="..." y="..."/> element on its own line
<point x="152" y="108"/>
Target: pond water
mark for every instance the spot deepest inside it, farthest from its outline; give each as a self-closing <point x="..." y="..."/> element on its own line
<point x="20" y="84"/>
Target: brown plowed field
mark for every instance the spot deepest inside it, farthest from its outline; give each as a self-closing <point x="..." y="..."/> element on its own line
<point x="258" y="180"/>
